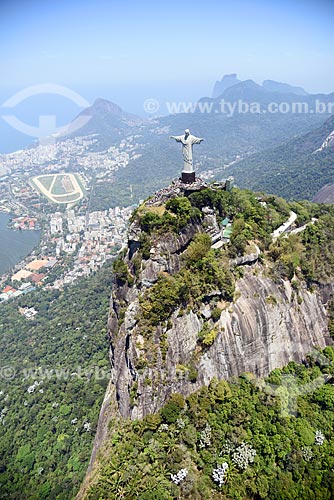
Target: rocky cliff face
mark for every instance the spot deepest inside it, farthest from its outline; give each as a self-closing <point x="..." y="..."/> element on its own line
<point x="325" y="195"/>
<point x="267" y="325"/>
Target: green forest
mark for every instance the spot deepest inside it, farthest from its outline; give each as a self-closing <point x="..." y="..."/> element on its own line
<point x="242" y="439"/>
<point x="55" y="370"/>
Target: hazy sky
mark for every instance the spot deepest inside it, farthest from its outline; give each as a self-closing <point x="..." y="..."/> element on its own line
<point x="136" y="43"/>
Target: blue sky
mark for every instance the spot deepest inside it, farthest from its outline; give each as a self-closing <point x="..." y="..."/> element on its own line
<point x="187" y="43"/>
<point x="129" y="51"/>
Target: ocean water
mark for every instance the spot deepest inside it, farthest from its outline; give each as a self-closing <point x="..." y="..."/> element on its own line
<point x="14" y="245"/>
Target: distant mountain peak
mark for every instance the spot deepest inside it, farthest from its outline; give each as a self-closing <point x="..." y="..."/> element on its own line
<point x="283" y="88"/>
<point x="231" y="80"/>
<point x="226" y="82"/>
<point x="247" y="90"/>
<point x="108" y="107"/>
<point x="105" y="118"/>
<point x="249" y="84"/>
<point x="100" y="101"/>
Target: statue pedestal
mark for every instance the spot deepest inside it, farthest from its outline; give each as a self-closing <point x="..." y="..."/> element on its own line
<point x="188" y="177"/>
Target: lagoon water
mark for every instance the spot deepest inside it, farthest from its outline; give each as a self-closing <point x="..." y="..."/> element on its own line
<point x="14" y="245"/>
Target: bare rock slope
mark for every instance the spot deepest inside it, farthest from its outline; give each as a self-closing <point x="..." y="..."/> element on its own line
<point x="266" y="326"/>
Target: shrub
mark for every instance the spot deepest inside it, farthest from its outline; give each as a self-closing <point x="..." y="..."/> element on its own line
<point x="210" y="337"/>
<point x="192" y="374"/>
<point x="216" y="313"/>
<point x="152" y="422"/>
<point x="121" y="271"/>
<point x="198" y="248"/>
<point x="171" y="411"/>
<point x="179" y="206"/>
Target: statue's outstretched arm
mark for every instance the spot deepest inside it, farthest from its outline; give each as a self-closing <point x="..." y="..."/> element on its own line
<point x="197" y="140"/>
<point x="178" y="138"/>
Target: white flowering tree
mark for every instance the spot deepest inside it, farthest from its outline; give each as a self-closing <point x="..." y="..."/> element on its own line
<point x="307" y="453"/>
<point x="319" y="438"/>
<point x="205" y="437"/>
<point x="243" y="455"/>
<point x="179" y="477"/>
<point x="219" y="473"/>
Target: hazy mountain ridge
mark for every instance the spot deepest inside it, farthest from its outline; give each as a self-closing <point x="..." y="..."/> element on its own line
<point x="224" y="83"/>
<point x="295" y="169"/>
<point x="106" y="119"/>
<point x="269" y="85"/>
<point x="274" y="86"/>
<point x="227" y="137"/>
<point x="103" y="107"/>
<point x="227" y="133"/>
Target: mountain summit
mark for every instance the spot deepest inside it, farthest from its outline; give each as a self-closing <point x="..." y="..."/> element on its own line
<point x="226" y="82"/>
<point x="268" y="85"/>
<point x="108" y="109"/>
<point x="106" y="119"/>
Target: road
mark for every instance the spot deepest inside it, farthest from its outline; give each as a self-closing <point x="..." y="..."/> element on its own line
<point x="284" y="227"/>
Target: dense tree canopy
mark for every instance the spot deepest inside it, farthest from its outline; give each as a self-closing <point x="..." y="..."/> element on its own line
<point x="50" y="395"/>
<point x="237" y="431"/>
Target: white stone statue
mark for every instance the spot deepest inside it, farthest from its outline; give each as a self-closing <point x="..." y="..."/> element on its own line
<point x="187" y="141"/>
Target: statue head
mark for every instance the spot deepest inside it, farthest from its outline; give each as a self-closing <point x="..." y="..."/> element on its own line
<point x="187" y="131"/>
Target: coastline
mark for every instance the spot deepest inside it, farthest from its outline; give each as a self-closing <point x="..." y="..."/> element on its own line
<point x="29" y="247"/>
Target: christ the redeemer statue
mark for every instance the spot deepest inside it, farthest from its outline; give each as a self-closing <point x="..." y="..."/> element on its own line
<point x="187" y="140"/>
